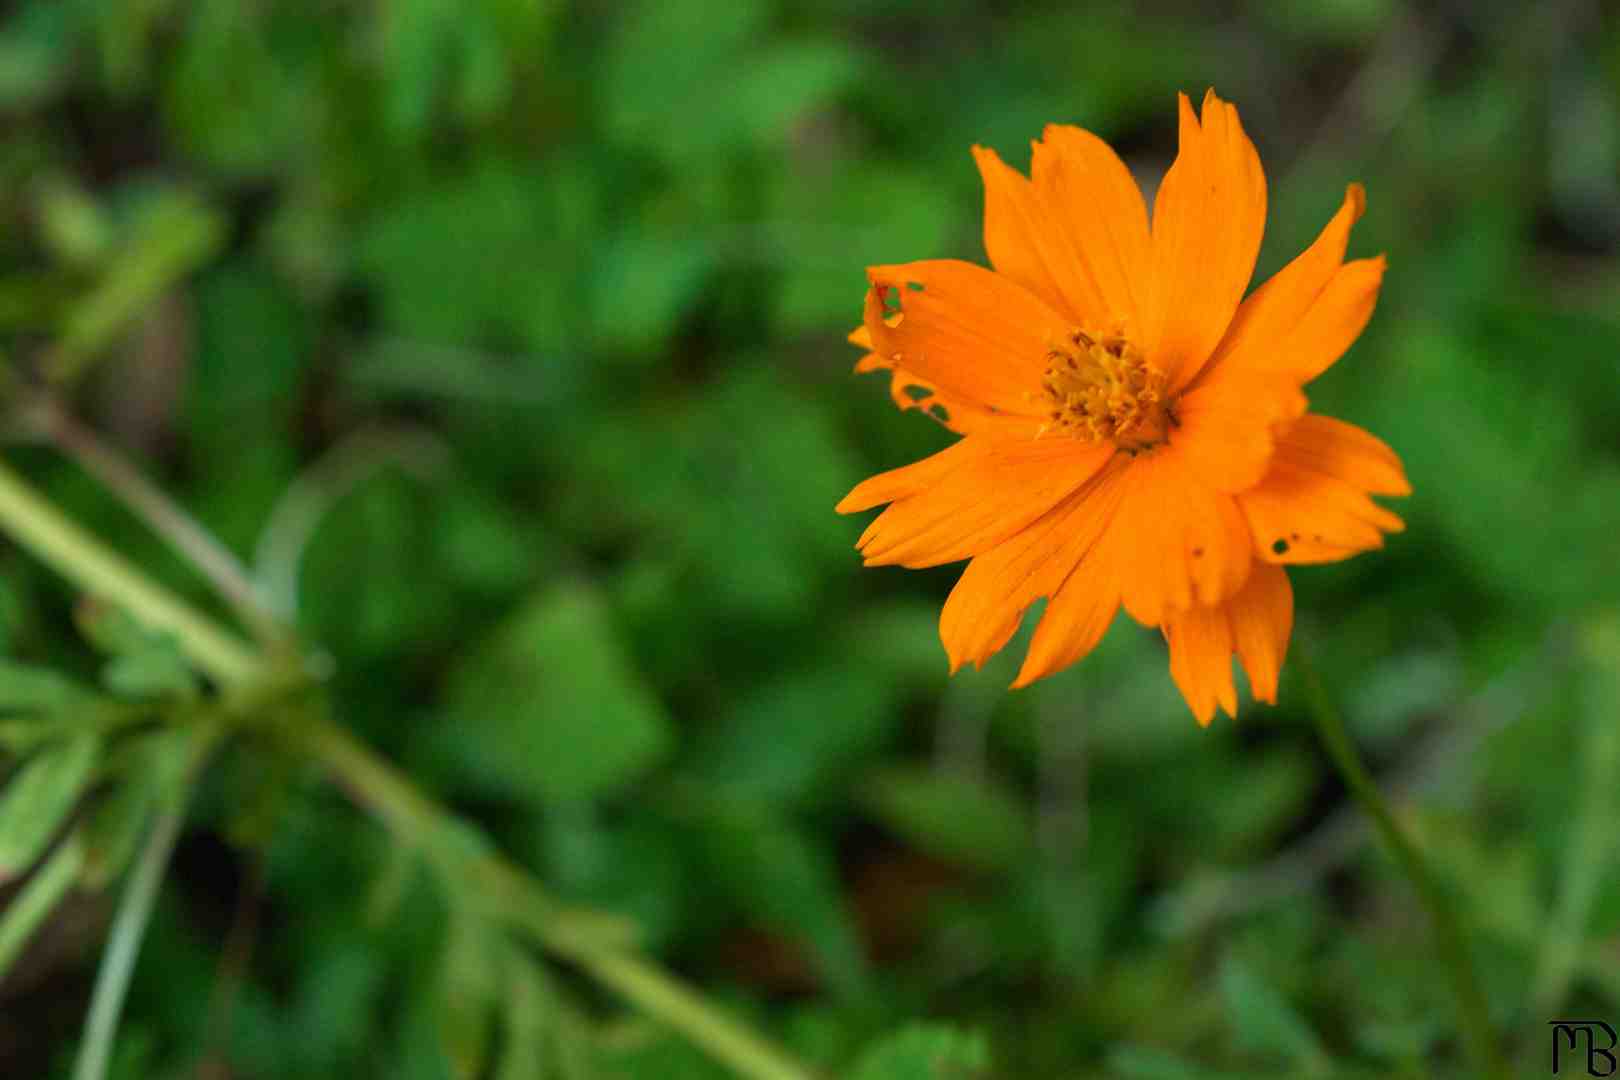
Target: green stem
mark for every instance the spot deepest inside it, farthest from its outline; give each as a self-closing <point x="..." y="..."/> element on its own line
<point x="182" y="532"/>
<point x="100" y="571"/>
<point x="1479" y="1034"/>
<point x="124" y="941"/>
<point x="593" y="942"/>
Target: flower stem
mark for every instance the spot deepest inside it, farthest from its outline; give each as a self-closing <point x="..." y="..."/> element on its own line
<point x="100" y="571"/>
<point x="124" y="942"/>
<point x="593" y="942"/>
<point x="227" y="575"/>
<point x="1479" y="1034"/>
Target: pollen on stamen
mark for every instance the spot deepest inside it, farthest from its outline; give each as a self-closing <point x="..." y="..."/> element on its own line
<point x="1101" y="387"/>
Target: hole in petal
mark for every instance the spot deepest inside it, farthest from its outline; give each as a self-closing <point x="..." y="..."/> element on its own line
<point x="1280" y="547"/>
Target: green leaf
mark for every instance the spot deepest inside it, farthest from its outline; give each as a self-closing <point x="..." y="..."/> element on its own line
<point x="640" y="286"/>
<point x="469" y="982"/>
<point x="38" y="898"/>
<point x="978" y="823"/>
<point x="783" y="881"/>
<point x="143" y="664"/>
<point x="173" y="233"/>
<point x="35" y="54"/>
<point x="549" y="708"/>
<point x="42" y="793"/>
<point x="1264" y="1022"/>
<point x="446" y="259"/>
<point x="32" y="689"/>
<point x="1142" y="1063"/>
<point x="648" y="87"/>
<point x="528" y="1012"/>
<point x="114" y="828"/>
<point x="925" y="1052"/>
<point x="791" y="738"/>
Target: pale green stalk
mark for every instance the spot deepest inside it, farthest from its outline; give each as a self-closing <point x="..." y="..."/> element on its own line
<point x="100" y="571"/>
<point x="590" y="941"/>
<point x="124" y="940"/>
<point x="1477" y="1033"/>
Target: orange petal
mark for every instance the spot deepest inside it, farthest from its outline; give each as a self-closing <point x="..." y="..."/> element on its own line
<point x="1076" y="618"/>
<point x="1201" y="660"/>
<point x="1308" y="313"/>
<point x="1176" y="540"/>
<point x="1313" y="505"/>
<point x="1334" y="322"/>
<point x="911" y="392"/>
<point x="989" y="600"/>
<point x="1255" y="623"/>
<point x="910" y="479"/>
<point x="1353" y="454"/>
<point x="1208" y="218"/>
<point x="1272" y="311"/>
<point x="977" y="336"/>
<point x="982" y="502"/>
<point x="1024" y="245"/>
<point x="1099" y="221"/>
<point x="1262" y="617"/>
<point x="1227" y="424"/>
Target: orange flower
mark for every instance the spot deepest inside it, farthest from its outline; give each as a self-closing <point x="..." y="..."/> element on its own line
<point x="1133" y="430"/>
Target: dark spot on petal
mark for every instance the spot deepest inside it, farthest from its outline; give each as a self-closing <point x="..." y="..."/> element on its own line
<point x="1198" y="553"/>
<point x="1295" y="537"/>
<point x="1280" y="547"/>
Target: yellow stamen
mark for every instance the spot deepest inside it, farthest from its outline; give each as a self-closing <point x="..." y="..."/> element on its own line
<point x="1103" y="388"/>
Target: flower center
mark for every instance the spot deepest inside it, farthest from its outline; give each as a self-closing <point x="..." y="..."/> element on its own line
<point x="1103" y="388"/>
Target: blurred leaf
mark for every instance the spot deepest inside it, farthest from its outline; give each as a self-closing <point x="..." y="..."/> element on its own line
<point x="641" y="285"/>
<point x="153" y="767"/>
<point x="640" y="867"/>
<point x="1264" y="1022"/>
<point x="448" y="258"/>
<point x="444" y="53"/>
<point x="548" y="707"/>
<point x="172" y="234"/>
<point x="246" y="123"/>
<point x="34" y="54"/>
<point x="925" y="1052"/>
<point x="647" y="86"/>
<point x="781" y="881"/>
<point x="143" y="664"/>
<point x="527" y="1008"/>
<point x="975" y="822"/>
<point x="38" y="798"/>
<point x="1141" y="1063"/>
<point x="470" y="987"/>
<point x="73" y="224"/>
<point x="792" y="738"/>
<point x="1247" y="815"/>
<point x="39" y="896"/>
<point x="35" y="689"/>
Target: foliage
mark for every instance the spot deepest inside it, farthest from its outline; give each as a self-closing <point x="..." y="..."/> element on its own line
<point x="503" y="341"/>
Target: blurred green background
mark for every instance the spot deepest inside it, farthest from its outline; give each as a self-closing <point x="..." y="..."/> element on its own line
<point x="504" y="340"/>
